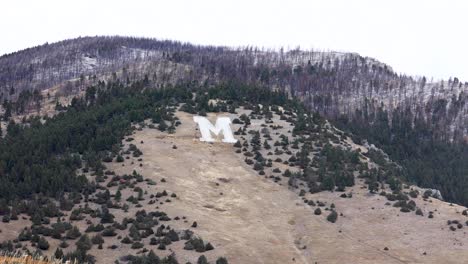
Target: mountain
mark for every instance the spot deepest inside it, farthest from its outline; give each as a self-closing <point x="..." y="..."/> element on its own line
<point x="332" y="83"/>
<point x="100" y="157"/>
<point x="420" y="123"/>
<point x="120" y="175"/>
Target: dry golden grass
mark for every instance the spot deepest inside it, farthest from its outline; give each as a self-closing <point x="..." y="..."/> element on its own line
<point x="19" y="258"/>
<point x="22" y="260"/>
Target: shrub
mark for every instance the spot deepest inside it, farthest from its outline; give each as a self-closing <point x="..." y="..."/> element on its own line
<point x="73" y="233"/>
<point x="58" y="253"/>
<point x="397" y="196"/>
<point x="258" y="166"/>
<point x="405" y="210"/>
<point x="188" y="246"/>
<point x="413" y="193"/>
<point x="152" y="257"/>
<point x="6" y="219"/>
<point x="119" y="158"/>
<point x="97" y="239"/>
<point x="208" y="246"/>
<point x="109" y="232"/>
<point x="137" y="245"/>
<point x="221" y="260"/>
<point x="162" y="246"/>
<point x="328" y="184"/>
<point x="172" y="235"/>
<point x="84" y="243"/>
<point x="25" y="235"/>
<point x="195" y="243"/>
<point x="42" y="244"/>
<point x="405" y="206"/>
<point x="126" y="240"/>
<point x="202" y="260"/>
<point x="427" y="194"/>
<point x="332" y="217"/>
<point x="237" y="121"/>
<point x="63" y="244"/>
<point x="154" y="241"/>
<point x="317" y="211"/>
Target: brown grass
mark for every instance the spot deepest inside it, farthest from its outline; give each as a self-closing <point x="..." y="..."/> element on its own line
<point x="19" y="258"/>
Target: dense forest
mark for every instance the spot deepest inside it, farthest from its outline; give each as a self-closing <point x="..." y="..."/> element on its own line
<point x="42" y="156"/>
<point x="427" y="161"/>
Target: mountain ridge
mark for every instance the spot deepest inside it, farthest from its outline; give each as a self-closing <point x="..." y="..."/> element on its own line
<point x="332" y="83"/>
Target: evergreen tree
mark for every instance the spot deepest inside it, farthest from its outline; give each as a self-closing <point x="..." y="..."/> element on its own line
<point x="118" y="195"/>
<point x="221" y="260"/>
<point x="202" y="260"/>
<point x="58" y="253"/>
<point x="42" y="244"/>
<point x="332" y="216"/>
<point x="84" y="243"/>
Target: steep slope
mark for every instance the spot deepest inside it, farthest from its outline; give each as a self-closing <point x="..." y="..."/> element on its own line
<point x="120" y="174"/>
<point x="251" y="218"/>
<point x="419" y="122"/>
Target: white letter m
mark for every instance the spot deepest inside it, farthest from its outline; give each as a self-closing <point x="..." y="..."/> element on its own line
<point x="222" y="125"/>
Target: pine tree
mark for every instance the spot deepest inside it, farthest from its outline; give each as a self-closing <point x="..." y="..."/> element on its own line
<point x="153" y="258"/>
<point x="119" y="158"/>
<point x="73" y="233"/>
<point x="202" y="260"/>
<point x="42" y="244"/>
<point x="84" y="243"/>
<point x="221" y="260"/>
<point x="118" y="195"/>
<point x="106" y="216"/>
<point x="162" y="126"/>
<point x="58" y="253"/>
<point x="328" y="183"/>
<point x="97" y="239"/>
<point x="332" y="216"/>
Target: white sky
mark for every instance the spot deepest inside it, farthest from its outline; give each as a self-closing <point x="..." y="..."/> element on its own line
<point x="417" y="37"/>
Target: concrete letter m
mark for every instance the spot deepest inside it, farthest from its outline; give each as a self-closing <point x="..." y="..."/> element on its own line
<point x="222" y="125"/>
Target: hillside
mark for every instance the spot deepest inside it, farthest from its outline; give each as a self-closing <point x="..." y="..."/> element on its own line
<point x="420" y="123"/>
<point x="120" y="175"/>
<point x="259" y="219"/>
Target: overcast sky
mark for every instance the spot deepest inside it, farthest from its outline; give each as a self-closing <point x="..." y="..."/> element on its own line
<point x="417" y="37"/>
